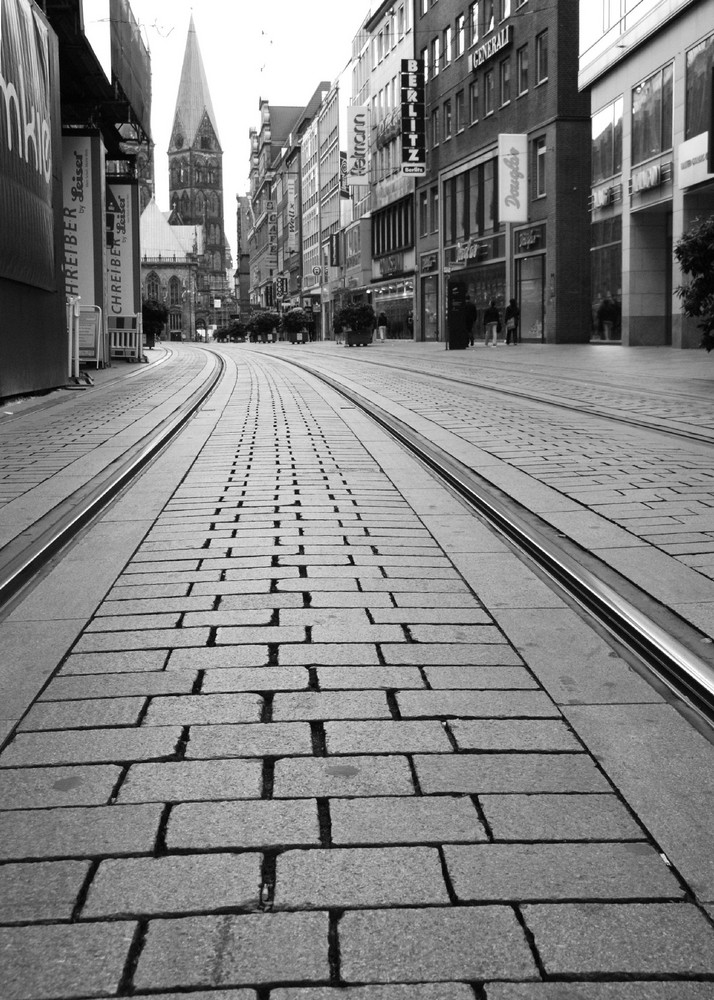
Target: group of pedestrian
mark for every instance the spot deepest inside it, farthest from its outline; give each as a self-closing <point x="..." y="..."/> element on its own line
<point x="492" y="324"/>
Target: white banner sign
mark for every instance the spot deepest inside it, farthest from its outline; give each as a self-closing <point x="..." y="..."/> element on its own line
<point x="292" y="216"/>
<point x="692" y="158"/>
<point x="122" y="258"/>
<point x="513" y="177"/>
<point x="81" y="229"/>
<point x="358" y="137"/>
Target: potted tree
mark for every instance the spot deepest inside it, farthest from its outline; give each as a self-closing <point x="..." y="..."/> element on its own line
<point x="154" y="315"/>
<point x="294" y="324"/>
<point x="694" y="252"/>
<point x="356" y="322"/>
<point x="263" y="325"/>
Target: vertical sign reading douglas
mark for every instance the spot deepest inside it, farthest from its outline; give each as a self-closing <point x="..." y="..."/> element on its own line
<point x="27" y="230"/>
<point x="513" y="177"/>
<point x="413" y="126"/>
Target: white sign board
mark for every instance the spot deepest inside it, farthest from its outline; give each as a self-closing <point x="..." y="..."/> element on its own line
<point x="692" y="161"/>
<point x="513" y="177"/>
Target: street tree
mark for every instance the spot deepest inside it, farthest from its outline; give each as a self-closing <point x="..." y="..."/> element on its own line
<point x="694" y="251"/>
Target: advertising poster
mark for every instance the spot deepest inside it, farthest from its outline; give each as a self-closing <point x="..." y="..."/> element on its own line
<point x="122" y="249"/>
<point x="26" y="167"/>
<point x="82" y="176"/>
<point x="513" y="177"/>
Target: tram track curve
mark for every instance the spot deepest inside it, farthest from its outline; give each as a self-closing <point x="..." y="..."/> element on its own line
<point x="660" y="644"/>
<point x="24" y="558"/>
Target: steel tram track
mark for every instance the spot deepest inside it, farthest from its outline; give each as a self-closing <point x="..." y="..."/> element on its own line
<point x="662" y="652"/>
<point x="28" y="555"/>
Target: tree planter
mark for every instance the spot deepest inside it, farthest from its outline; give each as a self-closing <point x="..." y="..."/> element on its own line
<point x="355" y="322"/>
<point x="358" y="338"/>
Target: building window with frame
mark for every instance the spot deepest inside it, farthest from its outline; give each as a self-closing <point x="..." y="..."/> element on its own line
<point x="448" y="120"/>
<point x="448" y="37"/>
<point x="652" y="115"/>
<point x="522" y="70"/>
<point x="541" y="57"/>
<point x="425" y="63"/>
<point x="473" y="101"/>
<point x="460" y="35"/>
<point x="435" y="125"/>
<point x="489" y="15"/>
<point x="435" y="55"/>
<point x="434" y="208"/>
<point x="539" y="151"/>
<point x="174" y="292"/>
<point x="459" y="111"/>
<point x="698" y="100"/>
<point x="606" y="146"/>
<point x="489" y="93"/>
<point x="423" y="7"/>
<point x="152" y="286"/>
<point x="423" y="213"/>
<point x="473" y="23"/>
<point x="505" y="11"/>
<point x="505" y="80"/>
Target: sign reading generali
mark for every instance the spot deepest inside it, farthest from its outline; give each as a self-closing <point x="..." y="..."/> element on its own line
<point x="513" y="177"/>
<point x="27" y="230"/>
<point x="501" y="40"/>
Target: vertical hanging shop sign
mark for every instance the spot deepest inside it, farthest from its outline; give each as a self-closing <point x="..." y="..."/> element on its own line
<point x="358" y="136"/>
<point x="83" y="198"/>
<point x="513" y="177"/>
<point x="123" y="280"/>
<point x="292" y="216"/>
<point x="413" y="125"/>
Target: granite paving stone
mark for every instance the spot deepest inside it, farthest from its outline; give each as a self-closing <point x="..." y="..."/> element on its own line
<point x="635" y="939"/>
<point x="386" y="737"/>
<point x="228" y="617"/>
<point x="203" y="709"/>
<point x="162" y="638"/>
<point x="479" y="678"/>
<point x="510" y="772"/>
<point x="78" y="832"/>
<point x="427" y="615"/>
<point x="90" y="746"/>
<point x="171" y="885"/>
<point x="358" y="877"/>
<point x="369" y="678"/>
<point x="517" y="872"/>
<point x="350" y="599"/>
<point x="215" y="658"/>
<point x="242" y="602"/>
<point x="255" y="679"/>
<point x="476" y="704"/>
<point x="189" y="780"/>
<point x="559" y="817"/>
<point x="329" y="654"/>
<point x="59" y="961"/>
<point x="226" y="636"/>
<point x="234" y="950"/>
<point x="514" y="734"/>
<point x="137" y="661"/>
<point x="417" y="820"/>
<point x="431" y="945"/>
<point x="275" y="739"/>
<point x="419" y="599"/>
<point x="678" y="989"/>
<point x="346" y="776"/>
<point x="261" y="823"/>
<point x="412" y="991"/>
<point x="47" y="787"/>
<point x="70" y="688"/>
<point x="45" y="890"/>
<point x="84" y="714"/>
<point x="431" y="654"/>
<point x="128" y="623"/>
<point x="154" y="606"/>
<point x="330" y="705"/>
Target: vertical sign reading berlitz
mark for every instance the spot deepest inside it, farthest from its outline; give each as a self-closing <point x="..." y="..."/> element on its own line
<point x="358" y="136"/>
<point x="413" y="125"/>
<point x="27" y="230"/>
<point x="513" y="177"/>
<point x="122" y="249"/>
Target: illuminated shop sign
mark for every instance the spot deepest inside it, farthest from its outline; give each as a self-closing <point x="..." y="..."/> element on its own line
<point x="413" y="126"/>
<point x="492" y="47"/>
<point x="644" y="180"/>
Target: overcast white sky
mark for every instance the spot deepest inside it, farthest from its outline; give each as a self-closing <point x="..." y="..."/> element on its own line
<point x="276" y="49"/>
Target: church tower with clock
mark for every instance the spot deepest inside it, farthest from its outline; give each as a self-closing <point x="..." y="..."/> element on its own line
<point x="196" y="174"/>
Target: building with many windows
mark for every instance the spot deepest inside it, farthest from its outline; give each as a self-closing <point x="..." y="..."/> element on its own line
<point x="648" y="66"/>
<point x="503" y="68"/>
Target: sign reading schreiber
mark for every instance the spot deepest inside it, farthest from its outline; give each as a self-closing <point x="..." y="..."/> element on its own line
<point x="413" y="127"/>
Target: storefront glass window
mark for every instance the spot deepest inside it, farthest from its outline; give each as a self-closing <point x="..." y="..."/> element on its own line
<point x="607" y="141"/>
<point x="652" y="116"/>
<point x="606" y="271"/>
<point x="430" y="307"/>
<point x="698" y="108"/>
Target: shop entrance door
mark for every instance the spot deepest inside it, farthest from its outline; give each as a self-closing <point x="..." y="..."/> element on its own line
<point x="530" y="295"/>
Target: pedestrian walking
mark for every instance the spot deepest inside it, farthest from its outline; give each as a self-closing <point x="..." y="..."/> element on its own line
<point x="492" y="323"/>
<point x="512" y="316"/>
<point x="470" y="314"/>
<point x="382" y="326"/>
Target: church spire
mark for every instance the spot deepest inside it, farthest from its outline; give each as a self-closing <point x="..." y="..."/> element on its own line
<point x="194" y="98"/>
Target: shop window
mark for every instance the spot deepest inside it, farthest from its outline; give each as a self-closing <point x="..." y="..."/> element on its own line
<point x="607" y="141"/>
<point x="460" y="35"/>
<point x="522" y="69"/>
<point x="489" y="93"/>
<point x="698" y="100"/>
<point x="539" y="151"/>
<point x="473" y="101"/>
<point x="652" y="115"/>
<point x="505" y="79"/>
<point x="541" y="57"/>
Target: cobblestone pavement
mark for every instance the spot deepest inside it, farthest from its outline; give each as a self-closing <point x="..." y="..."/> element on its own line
<point x="642" y="502"/>
<point x="326" y="736"/>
